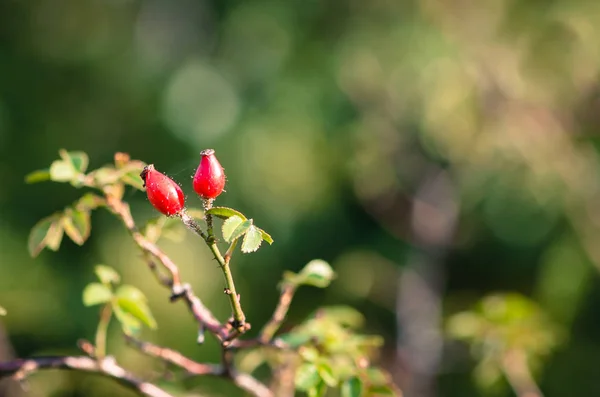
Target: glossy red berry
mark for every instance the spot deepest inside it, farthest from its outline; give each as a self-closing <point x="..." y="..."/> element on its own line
<point x="209" y="180"/>
<point x="163" y="193"/>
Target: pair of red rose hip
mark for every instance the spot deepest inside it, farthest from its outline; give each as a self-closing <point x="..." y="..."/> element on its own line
<point x="166" y="195"/>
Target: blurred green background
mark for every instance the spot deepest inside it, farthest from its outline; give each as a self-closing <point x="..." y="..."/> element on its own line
<point x="432" y="151"/>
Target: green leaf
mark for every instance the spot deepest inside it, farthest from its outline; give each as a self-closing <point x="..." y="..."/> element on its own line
<point x="327" y="374"/>
<point x="376" y="376"/>
<point x="225" y="212"/>
<point x="107" y="274"/>
<point x="129" y="323"/>
<point x="252" y="240"/>
<point x="294" y="339"/>
<point x="344" y="315"/>
<point x="38" y="176"/>
<point x="381" y="391"/>
<point x="132" y="178"/>
<point x="77" y="225"/>
<point x="62" y="171"/>
<point x="317" y="273"/>
<point x="161" y="226"/>
<point x="2" y="311"/>
<point x="173" y="229"/>
<point x="133" y="301"/>
<point x="55" y="235"/>
<point x="37" y="236"/>
<point x="230" y="226"/>
<point x="46" y="233"/>
<point x="465" y="325"/>
<point x="106" y="176"/>
<point x="352" y="387"/>
<point x="96" y="293"/>
<point x="318" y="391"/>
<point x="307" y="377"/>
<point x="79" y="160"/>
<point x="153" y="228"/>
<point x="89" y="201"/>
<point x="266" y="236"/>
<point x="309" y="353"/>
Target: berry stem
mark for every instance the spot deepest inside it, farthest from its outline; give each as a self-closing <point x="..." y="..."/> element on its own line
<point x="209" y="219"/>
<point x="239" y="318"/>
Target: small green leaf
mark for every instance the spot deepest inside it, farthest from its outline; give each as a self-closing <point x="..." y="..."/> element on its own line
<point x="307" y="377"/>
<point x="77" y="225"/>
<point x="317" y="273"/>
<point x="294" y="339"/>
<point x="62" y="171"/>
<point x="89" y="201"/>
<point x="55" y="235"/>
<point x="106" y="176"/>
<point x="230" y="226"/>
<point x="252" y="240"/>
<point x="225" y="212"/>
<point x="352" y="387"/>
<point x="38" y="235"/>
<point x="78" y="159"/>
<point x="153" y="228"/>
<point x="38" y="176"/>
<point x="107" y="274"/>
<point x="133" y="301"/>
<point x="161" y="226"/>
<point x="376" y="376"/>
<point x="266" y="236"/>
<point x="382" y="391"/>
<point x="2" y="311"/>
<point x="309" y="353"/>
<point x="129" y="323"/>
<point x="327" y="374"/>
<point x="96" y="293"/>
<point x="173" y="229"/>
<point x="318" y="391"/>
<point x="344" y="315"/>
<point x="132" y="178"/>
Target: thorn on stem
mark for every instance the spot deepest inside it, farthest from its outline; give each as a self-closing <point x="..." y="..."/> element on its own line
<point x="227" y="291"/>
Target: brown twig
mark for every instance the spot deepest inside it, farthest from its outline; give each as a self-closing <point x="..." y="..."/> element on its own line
<point x="285" y="300"/>
<point x="244" y="381"/>
<point x="178" y="290"/>
<point x="516" y="370"/>
<point x="22" y="368"/>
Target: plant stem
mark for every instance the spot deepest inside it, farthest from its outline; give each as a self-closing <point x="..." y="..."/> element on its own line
<point x="238" y="314"/>
<point x="230" y="250"/>
<point x="239" y="318"/>
<point x="287" y="294"/>
<point x="209" y="220"/>
<point x="101" y="331"/>
<point x="516" y="370"/>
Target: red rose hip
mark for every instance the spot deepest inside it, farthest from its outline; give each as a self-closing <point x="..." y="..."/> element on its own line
<point x="163" y="193"/>
<point x="209" y="180"/>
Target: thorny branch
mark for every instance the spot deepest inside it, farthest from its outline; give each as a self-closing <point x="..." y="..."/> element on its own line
<point x="225" y="333"/>
<point x="239" y="319"/>
<point x="243" y="381"/>
<point x="22" y="368"/>
<point x="203" y="315"/>
<point x="285" y="300"/>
